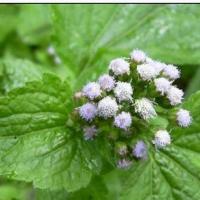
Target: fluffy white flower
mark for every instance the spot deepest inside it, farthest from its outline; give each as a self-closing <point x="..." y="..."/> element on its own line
<point x="107" y="107"/>
<point x="119" y="66"/>
<point x="123" y="120"/>
<point x="106" y="82"/>
<point x="123" y="91"/>
<point x="162" y="139"/>
<point x="88" y="111"/>
<point x="140" y="150"/>
<point x="124" y="163"/>
<point x="162" y="85"/>
<point x="158" y="66"/>
<point x="147" y="72"/>
<point x="171" y="71"/>
<point x="89" y="132"/>
<point x="92" y="90"/>
<point x="175" y="95"/>
<point x="144" y="107"/>
<point x="183" y="118"/>
<point x="138" y="55"/>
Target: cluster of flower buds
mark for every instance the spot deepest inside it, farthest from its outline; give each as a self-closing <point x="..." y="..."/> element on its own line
<point x="126" y="99"/>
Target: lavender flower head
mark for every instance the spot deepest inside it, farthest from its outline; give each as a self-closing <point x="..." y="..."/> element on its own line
<point x="122" y="149"/>
<point x="123" y="120"/>
<point x="106" y="82"/>
<point x="162" y="85"/>
<point x="162" y="139"/>
<point x="175" y="95"/>
<point x="144" y="107"/>
<point x="147" y="72"/>
<point x="119" y="66"/>
<point x="90" y="132"/>
<point x="92" y="90"/>
<point x="138" y="55"/>
<point x="171" y="72"/>
<point x="88" y="111"/>
<point x="107" y="107"/>
<point x="123" y="91"/>
<point x="184" y="118"/>
<point x="124" y="163"/>
<point x="140" y="150"/>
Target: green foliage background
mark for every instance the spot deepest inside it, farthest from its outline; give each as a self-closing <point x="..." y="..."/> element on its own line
<point x="35" y="145"/>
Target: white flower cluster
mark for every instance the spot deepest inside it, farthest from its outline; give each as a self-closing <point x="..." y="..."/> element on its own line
<point x="113" y="99"/>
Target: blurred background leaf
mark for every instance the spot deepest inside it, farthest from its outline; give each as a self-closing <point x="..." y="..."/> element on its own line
<point x="88" y="37"/>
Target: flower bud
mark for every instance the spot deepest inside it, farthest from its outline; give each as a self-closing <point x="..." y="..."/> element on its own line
<point x="89" y="132"/>
<point x="175" y="95"/>
<point x="171" y="72"/>
<point x="124" y="163"/>
<point x="138" y="56"/>
<point x="88" y="111"/>
<point x="162" y="139"/>
<point x="123" y="91"/>
<point x="107" y="107"/>
<point x="106" y="82"/>
<point x="162" y="85"/>
<point x="121" y="148"/>
<point x="123" y="120"/>
<point x="147" y="72"/>
<point x="140" y="150"/>
<point x="92" y="90"/>
<point x="183" y="118"/>
<point x="119" y="66"/>
<point x="144" y="108"/>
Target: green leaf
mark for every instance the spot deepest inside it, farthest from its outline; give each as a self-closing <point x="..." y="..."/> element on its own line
<point x="8" y="20"/>
<point x="16" y="72"/>
<point x="34" y="24"/>
<point x="89" y="36"/>
<point x="194" y="84"/>
<point x="36" y="145"/>
<point x="95" y="190"/>
<point x="172" y="173"/>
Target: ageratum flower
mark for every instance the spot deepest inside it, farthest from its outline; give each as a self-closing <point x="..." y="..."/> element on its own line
<point x="107" y="107"/>
<point x="89" y="132"/>
<point x="123" y="91"/>
<point x="88" y="111"/>
<point x="147" y="72"/>
<point x="138" y="56"/>
<point x="140" y="150"/>
<point x="184" y="118"/>
<point x="106" y="82"/>
<point x="119" y="66"/>
<point x="92" y="90"/>
<point x="158" y="66"/>
<point x="171" y="72"/>
<point x="124" y="163"/>
<point x="175" y="95"/>
<point x="122" y="149"/>
<point x="123" y="120"/>
<point x="162" y="85"/>
<point x="162" y="139"/>
<point x="144" y="107"/>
